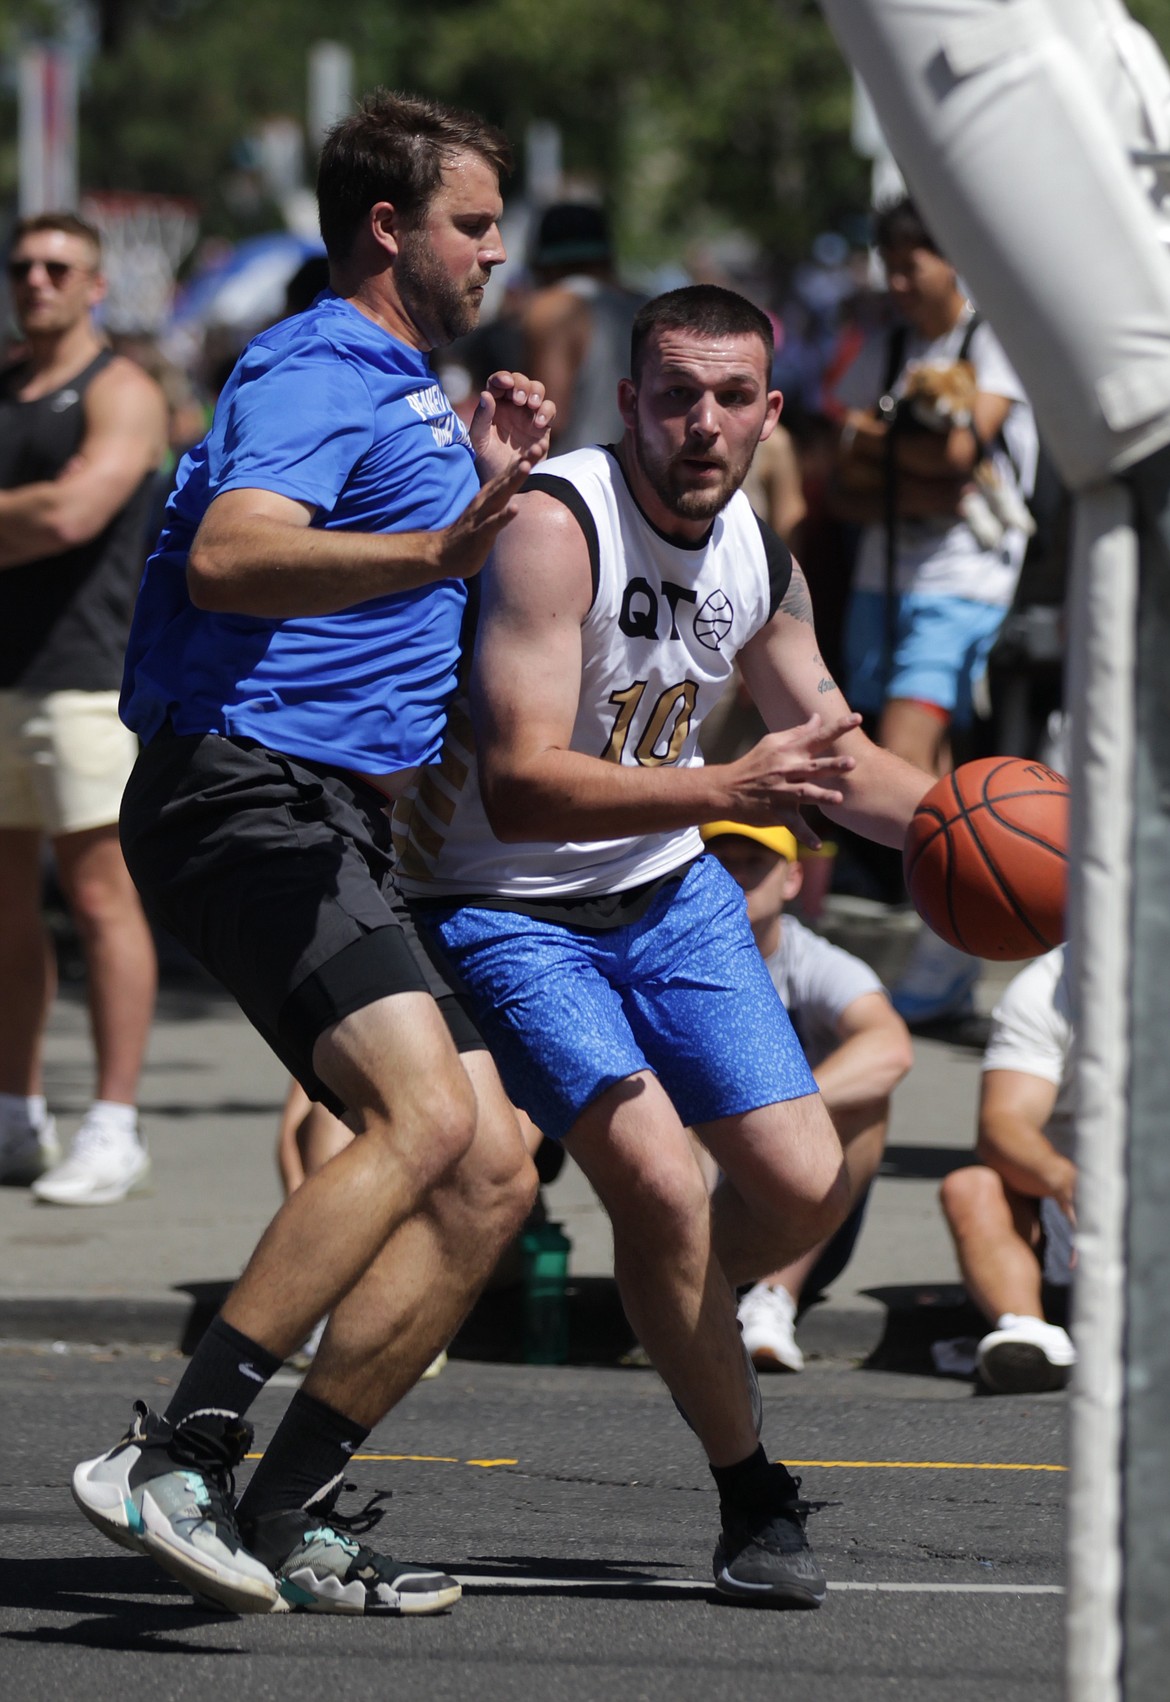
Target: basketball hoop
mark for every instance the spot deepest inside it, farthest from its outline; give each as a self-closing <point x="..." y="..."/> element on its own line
<point x="144" y="239"/>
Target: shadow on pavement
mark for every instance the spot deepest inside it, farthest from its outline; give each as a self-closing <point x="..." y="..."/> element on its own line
<point x="86" y="1585"/>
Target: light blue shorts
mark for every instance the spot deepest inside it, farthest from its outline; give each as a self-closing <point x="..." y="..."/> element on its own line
<point x="569" y="1012"/>
<point x="941" y="647"/>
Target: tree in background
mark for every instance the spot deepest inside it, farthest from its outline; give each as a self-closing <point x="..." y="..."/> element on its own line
<point x="692" y="119"/>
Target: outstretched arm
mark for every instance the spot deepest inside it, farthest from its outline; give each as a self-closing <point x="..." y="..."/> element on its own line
<point x="526" y="686"/>
<point x="787" y="677"/>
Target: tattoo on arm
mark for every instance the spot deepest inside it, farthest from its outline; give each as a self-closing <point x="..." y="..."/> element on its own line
<point x="827" y="684"/>
<point x="796" y="600"/>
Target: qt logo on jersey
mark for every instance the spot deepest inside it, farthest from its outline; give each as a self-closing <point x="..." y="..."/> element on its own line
<point x="640" y="611"/>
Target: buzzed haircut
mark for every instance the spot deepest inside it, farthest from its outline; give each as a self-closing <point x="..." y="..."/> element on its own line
<point x="394" y="149"/>
<point x="900" y="225"/>
<point x="707" y="309"/>
<point x="70" y="223"/>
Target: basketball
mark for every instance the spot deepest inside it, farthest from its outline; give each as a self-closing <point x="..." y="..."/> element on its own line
<point x="986" y="857"/>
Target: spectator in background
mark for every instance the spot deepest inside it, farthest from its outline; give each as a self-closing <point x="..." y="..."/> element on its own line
<point x="82" y="432"/>
<point x="1013" y="1214"/>
<point x="857" y="1045"/>
<point x="577" y="324"/>
<point x="928" y="595"/>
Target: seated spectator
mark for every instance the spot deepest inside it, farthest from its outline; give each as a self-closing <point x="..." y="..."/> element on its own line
<point x="858" y="1046"/>
<point x="1012" y="1215"/>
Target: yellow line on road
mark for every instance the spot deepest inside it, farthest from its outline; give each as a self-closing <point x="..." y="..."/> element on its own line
<point x="930" y="1465"/>
<point x="855" y="1465"/>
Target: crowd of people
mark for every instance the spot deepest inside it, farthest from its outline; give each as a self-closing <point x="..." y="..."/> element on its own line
<point x="441" y="832"/>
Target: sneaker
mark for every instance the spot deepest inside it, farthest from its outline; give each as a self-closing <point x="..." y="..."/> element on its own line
<point x="764" y="1558"/>
<point x="320" y="1568"/>
<point x="767" y="1317"/>
<point x="937" y="984"/>
<point x="104" y="1165"/>
<point x="167" y="1491"/>
<point x="26" y="1153"/>
<point x="1025" y="1356"/>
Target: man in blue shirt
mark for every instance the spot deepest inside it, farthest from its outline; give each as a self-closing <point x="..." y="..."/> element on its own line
<point x="294" y="645"/>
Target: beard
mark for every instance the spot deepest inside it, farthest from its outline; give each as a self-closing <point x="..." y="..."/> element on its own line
<point x="669" y="478"/>
<point x="442" y="308"/>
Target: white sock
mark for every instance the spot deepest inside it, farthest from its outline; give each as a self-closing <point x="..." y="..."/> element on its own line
<point x="18" y="1109"/>
<point x="118" y="1119"/>
<point x="1006" y="1321"/>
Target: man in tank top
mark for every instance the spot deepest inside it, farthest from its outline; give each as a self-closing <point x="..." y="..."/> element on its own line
<point x="82" y="431"/>
<point x="556" y="859"/>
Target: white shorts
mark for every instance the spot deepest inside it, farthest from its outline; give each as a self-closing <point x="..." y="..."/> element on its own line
<point x="64" y="760"/>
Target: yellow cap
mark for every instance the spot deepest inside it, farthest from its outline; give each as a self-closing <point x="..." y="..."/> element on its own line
<point x="779" y="839"/>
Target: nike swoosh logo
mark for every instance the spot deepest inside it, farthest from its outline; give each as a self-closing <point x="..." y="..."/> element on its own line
<point x="347" y="1447"/>
<point x="247" y="1369"/>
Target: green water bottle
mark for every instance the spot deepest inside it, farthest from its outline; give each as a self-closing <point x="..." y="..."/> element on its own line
<point x="546" y="1313"/>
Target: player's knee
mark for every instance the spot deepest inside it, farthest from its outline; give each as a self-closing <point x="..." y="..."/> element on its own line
<point x="828" y="1204"/>
<point x="431" y="1135"/>
<point x="967" y="1195"/>
<point x="661" y="1202"/>
<point x="497" y="1181"/>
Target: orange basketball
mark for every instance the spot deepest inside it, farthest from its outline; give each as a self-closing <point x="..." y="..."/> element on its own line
<point x="986" y="857"/>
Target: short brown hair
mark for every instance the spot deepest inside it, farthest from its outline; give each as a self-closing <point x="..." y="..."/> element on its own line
<point x="394" y="149"/>
<point x="71" y="223"/>
<point x="708" y="309"/>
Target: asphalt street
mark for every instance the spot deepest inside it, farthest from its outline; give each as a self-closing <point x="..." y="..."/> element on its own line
<point x="579" y="1515"/>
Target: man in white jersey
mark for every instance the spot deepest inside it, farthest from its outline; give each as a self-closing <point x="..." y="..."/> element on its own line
<point x="1012" y="1215"/>
<point x="857" y="1044"/>
<point x="612" y="963"/>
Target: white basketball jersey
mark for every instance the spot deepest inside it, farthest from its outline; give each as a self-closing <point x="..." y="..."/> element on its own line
<point x="658" y="644"/>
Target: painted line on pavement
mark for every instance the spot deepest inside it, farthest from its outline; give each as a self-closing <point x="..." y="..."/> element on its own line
<point x="931" y="1465"/>
<point x="854" y="1465"/>
<point x="510" y="1581"/>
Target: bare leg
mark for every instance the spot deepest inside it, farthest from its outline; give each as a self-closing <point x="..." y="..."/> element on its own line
<point x="915" y="733"/>
<point x="638" y="1156"/>
<point x="119" y="956"/>
<point x="27" y="973"/>
<point x="394" y="1064"/>
<point x="290" y="1162"/>
<point x="995" y="1232"/>
<point x="382" y="1336"/>
<point x="862" y="1132"/>
<point x="784" y="1188"/>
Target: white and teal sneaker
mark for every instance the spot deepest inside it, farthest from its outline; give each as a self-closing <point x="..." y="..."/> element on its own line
<point x="167" y="1491"/>
<point x="320" y="1568"/>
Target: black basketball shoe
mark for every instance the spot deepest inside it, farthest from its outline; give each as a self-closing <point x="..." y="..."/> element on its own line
<point x="763" y="1557"/>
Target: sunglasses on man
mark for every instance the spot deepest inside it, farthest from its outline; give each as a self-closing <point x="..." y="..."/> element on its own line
<point x="57" y="271"/>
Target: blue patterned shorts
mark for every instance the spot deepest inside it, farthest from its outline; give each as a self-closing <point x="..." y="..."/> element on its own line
<point x="569" y="1012"/>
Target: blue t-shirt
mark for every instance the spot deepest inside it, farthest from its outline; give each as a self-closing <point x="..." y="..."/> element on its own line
<point x="329" y="409"/>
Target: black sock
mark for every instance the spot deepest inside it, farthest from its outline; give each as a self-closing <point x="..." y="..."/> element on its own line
<point x="752" y="1484"/>
<point x="227" y="1372"/>
<point x="312" y="1447"/>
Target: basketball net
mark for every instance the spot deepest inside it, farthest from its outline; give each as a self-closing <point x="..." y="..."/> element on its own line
<point x="145" y="238"/>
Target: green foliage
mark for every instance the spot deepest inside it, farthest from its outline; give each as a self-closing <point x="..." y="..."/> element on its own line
<point x="690" y="118"/>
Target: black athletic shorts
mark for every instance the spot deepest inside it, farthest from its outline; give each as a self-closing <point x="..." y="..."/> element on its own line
<point x="276" y="874"/>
